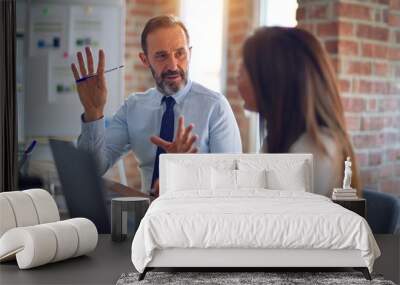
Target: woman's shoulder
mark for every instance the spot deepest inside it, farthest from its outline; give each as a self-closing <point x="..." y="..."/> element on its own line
<point x="305" y="144"/>
<point x="327" y="170"/>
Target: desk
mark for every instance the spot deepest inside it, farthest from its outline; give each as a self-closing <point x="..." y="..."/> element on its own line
<point x="110" y="259"/>
<point x="102" y="266"/>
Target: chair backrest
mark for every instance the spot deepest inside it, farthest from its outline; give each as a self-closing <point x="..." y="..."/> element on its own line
<point x="81" y="184"/>
<point x="284" y="164"/>
<point x="383" y="211"/>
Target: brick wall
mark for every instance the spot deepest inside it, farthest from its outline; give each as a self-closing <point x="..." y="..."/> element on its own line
<point x="363" y="40"/>
<point x="240" y="24"/>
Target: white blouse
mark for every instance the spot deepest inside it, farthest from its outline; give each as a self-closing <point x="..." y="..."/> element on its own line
<point x="328" y="170"/>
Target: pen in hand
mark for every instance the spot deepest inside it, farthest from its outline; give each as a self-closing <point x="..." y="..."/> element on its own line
<point x="26" y="153"/>
<point x="93" y="75"/>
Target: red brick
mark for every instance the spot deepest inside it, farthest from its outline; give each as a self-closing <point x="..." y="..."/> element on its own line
<point x="374" y="50"/>
<point x="386" y="170"/>
<point x="362" y="159"/>
<point x="364" y="86"/>
<point x="332" y="46"/>
<point x="395" y="4"/>
<point x="393" y="154"/>
<point x="317" y="12"/>
<point x="375" y="158"/>
<point x="336" y="64"/>
<point x="237" y="39"/>
<point x="345" y="28"/>
<point x="380" y="87"/>
<point x="394" y="20"/>
<point x="388" y="138"/>
<point x="396" y="122"/>
<point x="389" y="104"/>
<point x="238" y="9"/>
<point x="359" y="68"/>
<point x="240" y="25"/>
<point x="383" y="2"/>
<point x="146" y="2"/>
<point x="389" y="185"/>
<point x="353" y="104"/>
<point x="365" y="141"/>
<point x="388" y="122"/>
<point x="369" y="176"/>
<point x="344" y="85"/>
<point x="394" y="53"/>
<point x="352" y="11"/>
<point x="397" y="71"/>
<point x="397" y="35"/>
<point x="348" y="47"/>
<point x="372" y="32"/>
<point x="353" y="123"/>
<point x="135" y="11"/>
<point x="300" y="14"/>
<point x="372" y="105"/>
<point x="397" y="170"/>
<point x="380" y="69"/>
<point x="372" y="123"/>
<point x="327" y="29"/>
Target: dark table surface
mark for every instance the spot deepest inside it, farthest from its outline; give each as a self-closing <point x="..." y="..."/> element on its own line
<point x="104" y="265"/>
<point x="110" y="259"/>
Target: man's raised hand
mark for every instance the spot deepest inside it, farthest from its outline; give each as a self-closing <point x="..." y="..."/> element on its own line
<point x="92" y="91"/>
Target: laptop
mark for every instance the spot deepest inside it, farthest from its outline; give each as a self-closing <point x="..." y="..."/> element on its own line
<point x="81" y="183"/>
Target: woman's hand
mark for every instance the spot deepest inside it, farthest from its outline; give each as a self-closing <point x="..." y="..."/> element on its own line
<point x="184" y="140"/>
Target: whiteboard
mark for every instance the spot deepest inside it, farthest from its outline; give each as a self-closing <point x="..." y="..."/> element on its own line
<point x="57" y="30"/>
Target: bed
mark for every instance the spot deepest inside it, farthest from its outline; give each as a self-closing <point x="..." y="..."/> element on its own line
<point x="245" y="211"/>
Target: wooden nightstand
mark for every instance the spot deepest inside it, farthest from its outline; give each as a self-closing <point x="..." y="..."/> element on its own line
<point x="358" y="206"/>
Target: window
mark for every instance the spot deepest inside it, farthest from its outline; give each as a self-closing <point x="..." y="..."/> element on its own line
<point x="206" y="39"/>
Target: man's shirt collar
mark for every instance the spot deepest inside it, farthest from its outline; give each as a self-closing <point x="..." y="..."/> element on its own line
<point x="178" y="96"/>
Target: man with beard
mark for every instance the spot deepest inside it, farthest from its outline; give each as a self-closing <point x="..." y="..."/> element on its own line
<point x="158" y="111"/>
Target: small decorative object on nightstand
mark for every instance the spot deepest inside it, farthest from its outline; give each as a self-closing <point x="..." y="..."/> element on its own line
<point x="345" y="193"/>
<point x="347" y="196"/>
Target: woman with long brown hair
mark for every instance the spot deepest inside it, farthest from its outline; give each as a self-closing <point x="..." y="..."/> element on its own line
<point x="286" y="76"/>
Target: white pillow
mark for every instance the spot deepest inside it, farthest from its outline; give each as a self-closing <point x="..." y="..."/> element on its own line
<point x="251" y="178"/>
<point x="182" y="177"/>
<point x="291" y="176"/>
<point x="223" y="179"/>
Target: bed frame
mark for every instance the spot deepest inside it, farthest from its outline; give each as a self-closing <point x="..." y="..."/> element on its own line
<point x="244" y="259"/>
<point x="250" y="259"/>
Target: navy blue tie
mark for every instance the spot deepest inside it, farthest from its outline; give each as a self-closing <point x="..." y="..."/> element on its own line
<point x="166" y="132"/>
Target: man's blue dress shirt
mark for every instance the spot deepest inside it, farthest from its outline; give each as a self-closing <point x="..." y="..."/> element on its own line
<point x="139" y="118"/>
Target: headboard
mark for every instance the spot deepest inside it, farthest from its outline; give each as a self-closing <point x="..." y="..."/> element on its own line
<point x="234" y="161"/>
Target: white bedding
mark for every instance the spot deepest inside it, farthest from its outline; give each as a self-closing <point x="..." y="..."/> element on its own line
<point x="251" y="218"/>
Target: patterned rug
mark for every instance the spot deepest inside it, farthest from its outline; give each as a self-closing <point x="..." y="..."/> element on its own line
<point x="225" y="278"/>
